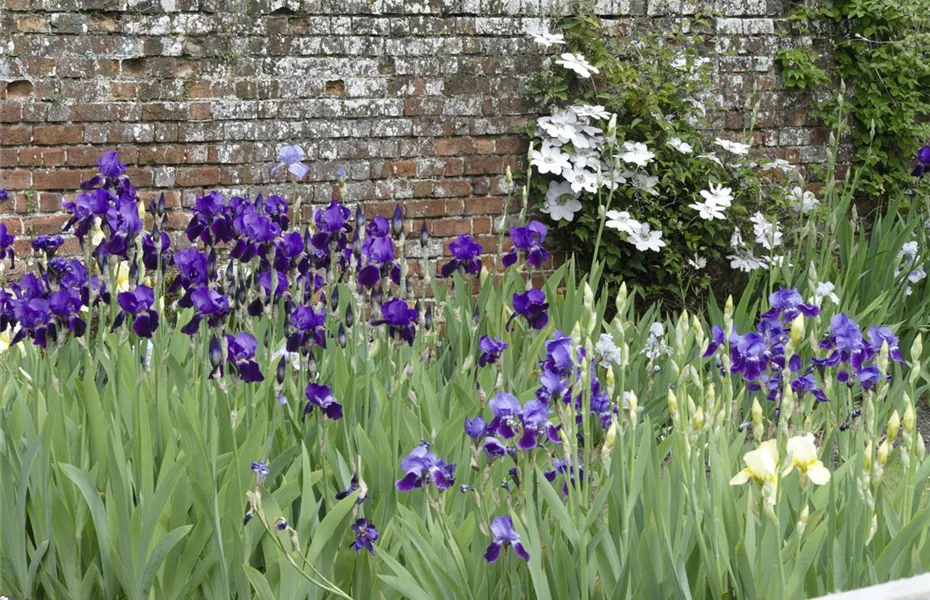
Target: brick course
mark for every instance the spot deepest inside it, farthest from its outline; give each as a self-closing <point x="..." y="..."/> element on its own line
<point x="422" y="101"/>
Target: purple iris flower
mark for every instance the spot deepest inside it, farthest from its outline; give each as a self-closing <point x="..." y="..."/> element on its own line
<point x="4" y="195"/>
<point x="786" y="304"/>
<point x="493" y="448"/>
<point x="6" y="244"/>
<point x="308" y="325"/>
<point x="559" y="355"/>
<point x="529" y="421"/>
<point x="491" y="349"/>
<point x="256" y="226"/>
<point x="138" y="303"/>
<point x="465" y="251"/>
<point x="290" y="157"/>
<point x="192" y="266"/>
<point x="109" y="165"/>
<point x="150" y="252"/>
<point x="240" y="353"/>
<point x="923" y="161"/>
<point x="532" y="305"/>
<point x="322" y="396"/>
<point x="565" y="468"/>
<point x="399" y="318"/>
<point x="421" y="467"/>
<point x="802" y="385"/>
<point x="365" y="534"/>
<point x="280" y="284"/>
<point x="749" y="353"/>
<point x="209" y="304"/>
<point x="717" y="339"/>
<point x="475" y="428"/>
<point x="846" y="333"/>
<point x="353" y="487"/>
<point x="528" y="239"/>
<point x="45" y="243"/>
<point x="503" y="535"/>
<point x="66" y="304"/>
<point x="261" y="471"/>
<point x="211" y="221"/>
<point x="34" y="317"/>
<point x="880" y="335"/>
<point x="70" y="272"/>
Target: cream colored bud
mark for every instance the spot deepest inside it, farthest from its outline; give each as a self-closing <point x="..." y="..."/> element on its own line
<point x="910" y="420"/>
<point x="756" y="413"/>
<point x="728" y="307"/>
<point x="610" y="438"/>
<point x="672" y="402"/>
<point x="697" y="420"/>
<point x="917" y="348"/>
<point x="914" y="376"/>
<point x="611" y="383"/>
<point x="508" y="176"/>
<point x="867" y="457"/>
<point x="633" y="402"/>
<point x="921" y="450"/>
<point x="622" y="296"/>
<point x="894" y="423"/>
<point x="881" y="361"/>
<point x="612" y="126"/>
<point x="883" y="451"/>
<point x="483" y="277"/>
<point x="588" y="298"/>
<point x="797" y="330"/>
<point x="469" y="362"/>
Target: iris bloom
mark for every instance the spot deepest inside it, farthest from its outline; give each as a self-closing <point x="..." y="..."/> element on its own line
<point x="803" y="455"/>
<point x="138" y="303"/>
<point x="399" y="318"/>
<point x="532" y="305"/>
<point x="465" y="251"/>
<point x="491" y="349"/>
<point x="421" y="467"/>
<point x="923" y="161"/>
<point x="291" y="157"/>
<point x="528" y="239"/>
<point x="503" y="535"/>
<point x="761" y="465"/>
<point x="322" y="397"/>
<point x="365" y="534"/>
<point x="240" y="354"/>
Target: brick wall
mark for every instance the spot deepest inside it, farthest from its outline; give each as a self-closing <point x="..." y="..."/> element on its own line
<point x="421" y="100"/>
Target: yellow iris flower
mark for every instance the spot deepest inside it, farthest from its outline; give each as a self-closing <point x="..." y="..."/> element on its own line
<point x="761" y="465"/>
<point x="803" y="455"/>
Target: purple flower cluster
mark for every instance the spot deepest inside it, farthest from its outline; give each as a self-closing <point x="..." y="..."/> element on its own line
<point x="421" y="468"/>
<point x="759" y="356"/>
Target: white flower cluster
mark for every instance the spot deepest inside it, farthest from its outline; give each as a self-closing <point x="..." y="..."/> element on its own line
<point x="607" y="351"/>
<point x="908" y="260"/>
<point x="716" y="200"/>
<point x="768" y="235"/>
<point x="655" y="343"/>
<point x="639" y="234"/>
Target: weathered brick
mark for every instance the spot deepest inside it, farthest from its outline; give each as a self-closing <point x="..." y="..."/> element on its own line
<point x="197" y="176"/>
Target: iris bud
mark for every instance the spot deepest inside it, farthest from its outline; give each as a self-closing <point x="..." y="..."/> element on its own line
<point x="397" y="221"/>
<point x="882" y="454"/>
<point x="350" y="316"/>
<point x="334" y="299"/>
<point x="281" y="371"/>
<point x="867" y="457"/>
<point x="894" y="423"/>
<point x="909" y="420"/>
<point x="428" y="317"/>
<point x="216" y="352"/>
<point x="360" y="217"/>
<point x="424" y="235"/>
<point x="341" y="336"/>
<point x="797" y="330"/>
